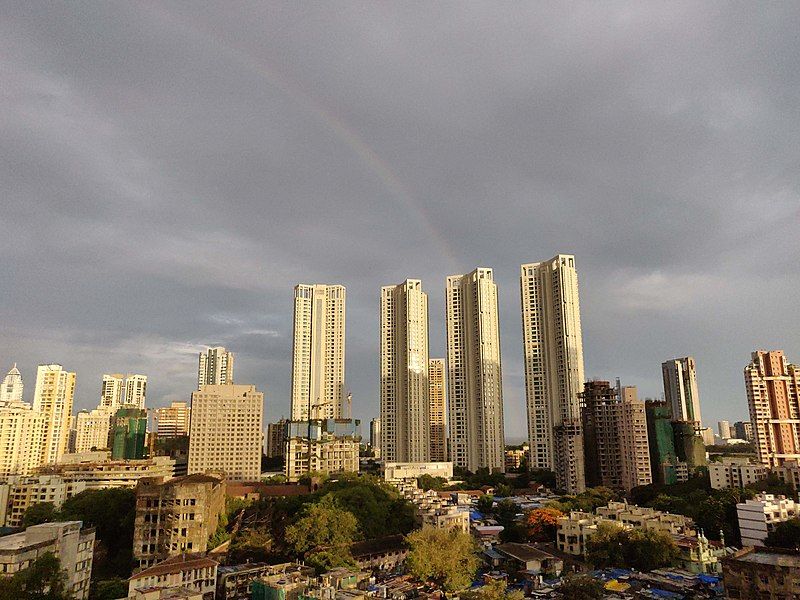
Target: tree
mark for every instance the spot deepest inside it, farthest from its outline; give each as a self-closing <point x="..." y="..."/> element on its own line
<point x="785" y="535"/>
<point x="542" y="523"/>
<point x="323" y="535"/>
<point x="43" y="512"/>
<point x="642" y="549"/>
<point x="581" y="587"/>
<point x="485" y="504"/>
<point x="449" y="557"/>
<point x="42" y="580"/>
<point x="429" y="482"/>
<point x="108" y="589"/>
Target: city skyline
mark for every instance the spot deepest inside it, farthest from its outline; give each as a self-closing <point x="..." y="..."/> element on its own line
<point x="226" y="155"/>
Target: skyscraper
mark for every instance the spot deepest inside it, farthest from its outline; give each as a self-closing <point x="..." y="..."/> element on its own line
<point x="724" y="428"/>
<point x="634" y="442"/>
<point x="438" y="412"/>
<point x="773" y="396"/>
<point x="111" y="390"/>
<point x="135" y="390"/>
<point x="474" y="378"/>
<point x="601" y="422"/>
<point x="405" y="409"/>
<point x="318" y="356"/>
<point x="553" y="355"/>
<point x="215" y="367"/>
<point x="21" y="439"/>
<point x="375" y="436"/>
<point x="173" y="420"/>
<point x="53" y="397"/>
<point x="91" y="429"/>
<point x="127" y="434"/>
<point x="11" y="387"/>
<point x="680" y="389"/>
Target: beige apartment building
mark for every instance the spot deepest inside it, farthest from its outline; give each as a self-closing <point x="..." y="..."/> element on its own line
<point x="437" y="390"/>
<point x="17" y="494"/>
<point x="91" y="429"/>
<point x="21" y="439"/>
<point x="215" y="367"/>
<point x="553" y="357"/>
<point x="53" y="397"/>
<point x="634" y="442"/>
<point x="111" y="390"/>
<point x="135" y="390"/>
<point x="96" y="470"/>
<point x="173" y="420"/>
<point x="680" y="389"/>
<point x="226" y="431"/>
<point x="329" y="454"/>
<point x="175" y="516"/>
<point x="318" y="354"/>
<point x="405" y="405"/>
<point x="773" y="396"/>
<point x="474" y="383"/>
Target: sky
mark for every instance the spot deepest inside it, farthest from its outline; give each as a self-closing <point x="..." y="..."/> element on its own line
<point x="169" y="172"/>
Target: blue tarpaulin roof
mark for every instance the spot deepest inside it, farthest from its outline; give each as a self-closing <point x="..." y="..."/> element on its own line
<point x="708" y="578"/>
<point x="475" y="515"/>
<point x="665" y="593"/>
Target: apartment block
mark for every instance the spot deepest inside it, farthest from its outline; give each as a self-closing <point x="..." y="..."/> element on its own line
<point x="680" y="389"/>
<point x="276" y="439"/>
<point x="11" y="388"/>
<point x="735" y="473"/>
<point x="175" y="516"/>
<point x="759" y="516"/>
<point x="334" y="448"/>
<point x="194" y="572"/>
<point x="22" y="432"/>
<point x="762" y="573"/>
<point x="474" y="378"/>
<point x="665" y="466"/>
<point x="173" y="421"/>
<point x="437" y="394"/>
<point x="92" y="429"/>
<point x="634" y="442"/>
<point x="743" y="430"/>
<point x="18" y="494"/>
<point x="375" y="436"/>
<point x="215" y="367"/>
<point x="53" y="397"/>
<point x="96" y="470"/>
<point x="127" y="434"/>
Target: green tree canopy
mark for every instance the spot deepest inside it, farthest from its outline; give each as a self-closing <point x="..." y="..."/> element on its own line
<point x="485" y="504"/>
<point x="43" y="512"/>
<point x="581" y="587"/>
<point x="429" y="482"/>
<point x="785" y="535"/>
<point x="108" y="589"/>
<point x="642" y="549"/>
<point x="323" y="535"/>
<point x="42" y="580"/>
<point x="448" y="557"/>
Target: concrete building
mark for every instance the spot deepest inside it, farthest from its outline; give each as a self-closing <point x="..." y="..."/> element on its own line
<point x="175" y="516"/>
<point x="18" y="494"/>
<point x="665" y="466"/>
<point x="553" y="358"/>
<point x="192" y="571"/>
<point x="735" y="472"/>
<point x="127" y="433"/>
<point x="215" y="367"/>
<point x="706" y="435"/>
<point x="474" y="378"/>
<point x="96" y="470"/>
<point x="234" y="581"/>
<point x="437" y="394"/>
<point x="67" y="540"/>
<point x="516" y="457"/>
<point x="743" y="430"/>
<point x="22" y="433"/>
<point x="318" y="353"/>
<point x="680" y="389"/>
<point x="53" y="397"/>
<point x="135" y="390"/>
<point x="226" y="430"/>
<point x="530" y="560"/>
<point x="724" y="429"/>
<point x="405" y="400"/>
<point x="772" y="574"/>
<point x="112" y="390"/>
<point x="11" y="388"/>
<point x="335" y="445"/>
<point x="375" y="436"/>
<point x="773" y="396"/>
<point x="433" y="510"/>
<point x="634" y="443"/>
<point x="173" y="420"/>
<point x="92" y="429"/>
<point x="759" y="516"/>
<point x="689" y="446"/>
<point x="276" y="439"/>
<point x="394" y="471"/>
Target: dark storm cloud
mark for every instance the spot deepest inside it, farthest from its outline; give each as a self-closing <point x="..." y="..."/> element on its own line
<point x="169" y="173"/>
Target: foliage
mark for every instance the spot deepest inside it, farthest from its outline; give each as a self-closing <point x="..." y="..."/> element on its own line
<point x="43" y="579"/>
<point x="43" y="512"/>
<point x="233" y="506"/>
<point x="429" y="482"/>
<point x="542" y="523"/>
<point x="485" y="504"/>
<point x="108" y="589"/>
<point x="506" y="515"/>
<point x="732" y="449"/>
<point x="494" y="589"/>
<point x="581" y="587"/>
<point x="785" y="535"/>
<point x="251" y="545"/>
<point x="323" y="535"/>
<point x="642" y="549"/>
<point x="276" y="480"/>
<point x="586" y="501"/>
<point x="452" y="569"/>
<point x="773" y="484"/>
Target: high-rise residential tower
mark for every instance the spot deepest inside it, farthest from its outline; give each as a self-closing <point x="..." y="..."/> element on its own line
<point x="680" y="389"/>
<point x="375" y="436"/>
<point x="318" y="356"/>
<point x="405" y="409"/>
<point x="111" y="391"/>
<point x="215" y="367"/>
<point x="53" y="397"/>
<point x="91" y="429"/>
<point x="11" y="388"/>
<point x="135" y="390"/>
<point x="634" y="441"/>
<point x="553" y="355"/>
<point x="173" y="420"/>
<point x="724" y="429"/>
<point x="773" y="395"/>
<point x="474" y="377"/>
<point x="21" y="439"/>
<point x="438" y="411"/>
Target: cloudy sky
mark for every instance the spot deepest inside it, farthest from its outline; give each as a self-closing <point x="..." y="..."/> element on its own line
<point x="168" y="173"/>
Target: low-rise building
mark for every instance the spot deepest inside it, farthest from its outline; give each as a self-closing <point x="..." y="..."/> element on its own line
<point x="286" y="584"/>
<point x="762" y="573"/>
<point x="176" y="516"/>
<point x="68" y="541"/>
<point x="516" y="457"/>
<point x="233" y="581"/>
<point x="172" y="593"/>
<point x="192" y="571"/>
<point x="98" y="471"/>
<point x="335" y="446"/>
<point x="759" y="516"/>
<point x="18" y="494"/>
<point x="529" y="561"/>
<point x="402" y="471"/>
<point x="382" y="554"/>
<point x="735" y="473"/>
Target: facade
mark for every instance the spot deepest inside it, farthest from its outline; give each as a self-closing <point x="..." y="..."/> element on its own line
<point x="375" y="436"/>
<point x="689" y="446"/>
<point x="11" y="387"/>
<point x="175" y="516"/>
<point x="127" y="434"/>
<point x="111" y="391"/>
<point x="516" y="457"/>
<point x="724" y="429"/>
<point x="735" y="473"/>
<point x="335" y="446"/>
<point x="53" y="397"/>
<point x="759" y="516"/>
<point x="394" y="471"/>
<point x="135" y="390"/>
<point x="601" y="421"/>
<point x="665" y="466"/>
<point x="762" y="573"/>
<point x="474" y="378"/>
<point x="318" y="355"/>
<point x="92" y="429"/>
<point x="17" y="494"/>
<point x="553" y="358"/>
<point x="192" y="571"/>
<point x="276" y="439"/>
<point x="680" y="389"/>
<point x="173" y="420"/>
<point x="634" y="443"/>
<point x="405" y="401"/>
<point x="96" y="470"/>
<point x="773" y="396"/>
<point x="226" y="430"/>
<point x="215" y="367"/>
<point x="743" y="430"/>
<point x="437" y="394"/>
<point x="72" y="545"/>
<point x="21" y="439"/>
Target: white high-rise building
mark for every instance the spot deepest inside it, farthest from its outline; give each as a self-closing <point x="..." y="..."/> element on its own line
<point x="680" y="389"/>
<point x="215" y="367"/>
<point x="405" y="409"/>
<point x="318" y="356"/>
<point x="474" y="382"/>
<point x="111" y="391"/>
<point x="173" y="420"/>
<point x="553" y="354"/>
<point x="135" y="390"/>
<point x="724" y="428"/>
<point x="53" y="397"/>
<point x="91" y="429"/>
<point x="226" y="431"/>
<point x="21" y="439"/>
<point x="11" y="388"/>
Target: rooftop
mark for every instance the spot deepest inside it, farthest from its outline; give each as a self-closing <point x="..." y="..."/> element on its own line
<point x="775" y="559"/>
<point x="523" y="552"/>
<point x="176" y="564"/>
